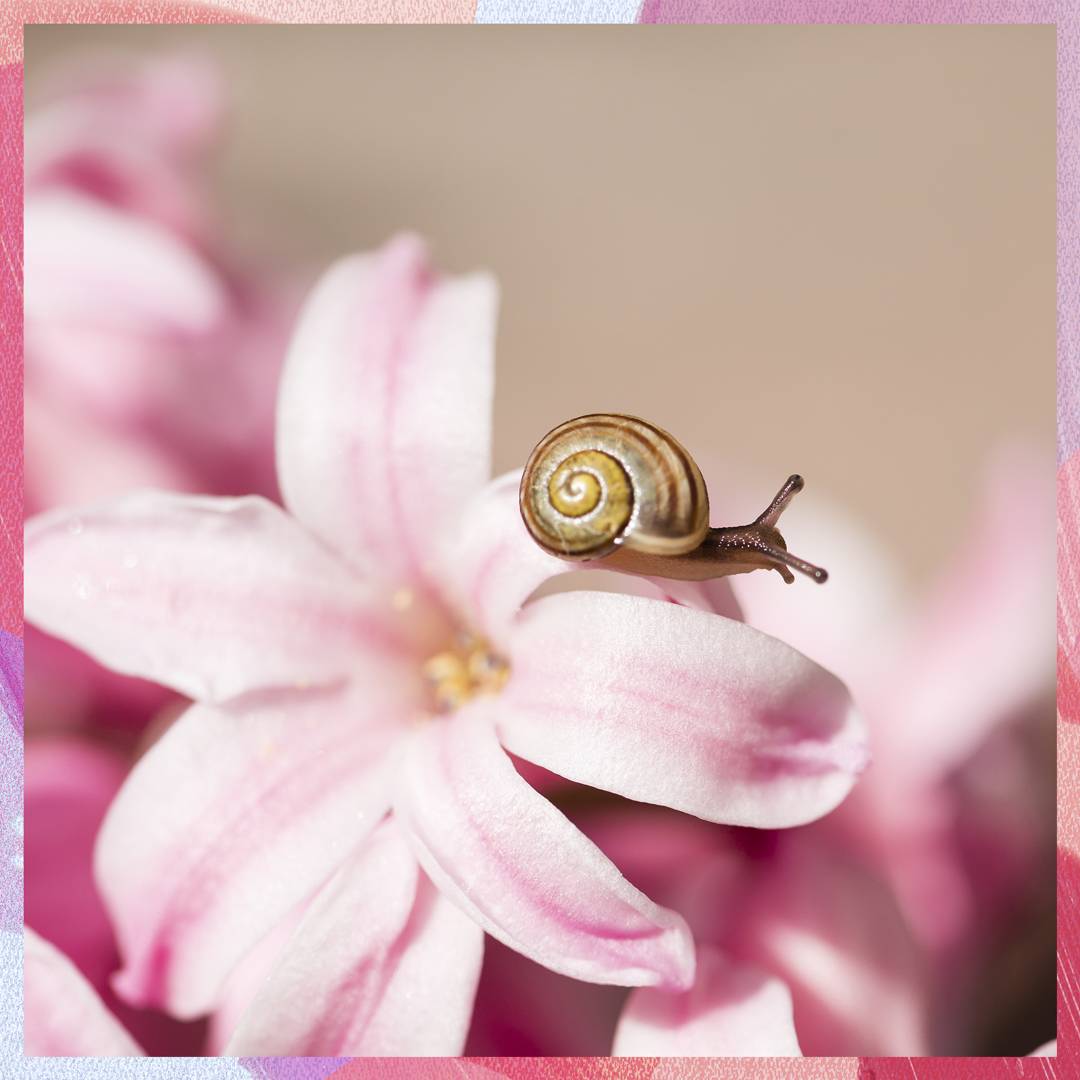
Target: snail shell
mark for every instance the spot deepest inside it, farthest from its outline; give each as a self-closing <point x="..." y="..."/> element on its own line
<point x="606" y="480"/>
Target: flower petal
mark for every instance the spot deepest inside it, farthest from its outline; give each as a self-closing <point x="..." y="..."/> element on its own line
<point x="509" y="859"/>
<point x="381" y="965"/>
<point x="732" y="1010"/>
<point x="384" y="422"/>
<point x="490" y="564"/>
<point x="229" y="821"/>
<point x="63" y="1016"/>
<point x="668" y="705"/>
<point x="212" y="597"/>
<point x="87" y="262"/>
<point x="246" y="979"/>
<point x="831" y="929"/>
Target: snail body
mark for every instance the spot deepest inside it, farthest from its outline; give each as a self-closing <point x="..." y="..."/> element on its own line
<point x="618" y="488"/>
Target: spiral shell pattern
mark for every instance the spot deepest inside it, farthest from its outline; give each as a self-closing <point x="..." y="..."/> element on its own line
<point x="604" y="480"/>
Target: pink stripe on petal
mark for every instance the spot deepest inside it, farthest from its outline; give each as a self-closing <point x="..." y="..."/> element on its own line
<point x="212" y="597"/>
<point x="381" y="965"/>
<point x="384" y="410"/>
<point x="732" y="1010"/>
<point x="668" y="705"/>
<point x="490" y="563"/>
<point x="63" y="1017"/>
<point x="229" y="821"/>
<point x="509" y="859"/>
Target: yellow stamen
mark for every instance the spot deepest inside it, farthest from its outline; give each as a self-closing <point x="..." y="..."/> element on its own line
<point x="457" y="675"/>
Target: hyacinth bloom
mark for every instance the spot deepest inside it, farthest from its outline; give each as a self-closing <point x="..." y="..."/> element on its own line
<point x="361" y="661"/>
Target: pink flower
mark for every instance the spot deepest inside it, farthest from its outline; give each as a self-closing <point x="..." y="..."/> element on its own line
<point x="800" y="946"/>
<point x="63" y="1015"/>
<point x="732" y="1010"/>
<point x="808" y="946"/>
<point x="952" y="687"/>
<point x="69" y="783"/>
<point x="150" y="358"/>
<point x="361" y="663"/>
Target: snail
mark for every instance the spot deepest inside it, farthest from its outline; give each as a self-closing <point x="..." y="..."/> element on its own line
<point x="620" y="489"/>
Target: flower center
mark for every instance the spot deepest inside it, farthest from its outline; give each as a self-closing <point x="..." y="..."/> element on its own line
<point x="460" y="673"/>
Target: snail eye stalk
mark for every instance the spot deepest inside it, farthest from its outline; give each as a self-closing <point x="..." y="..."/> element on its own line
<point x="762" y="538"/>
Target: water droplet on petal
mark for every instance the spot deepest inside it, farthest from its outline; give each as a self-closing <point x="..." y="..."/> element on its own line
<point x="75" y="526"/>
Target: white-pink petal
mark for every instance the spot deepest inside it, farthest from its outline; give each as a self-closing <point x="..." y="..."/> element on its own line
<point x="489" y="564"/>
<point x="62" y="1016"/>
<point x="230" y="820"/>
<point x="511" y="860"/>
<point x="88" y="263"/>
<point x="668" y="705"/>
<point x="732" y="1010"/>
<point x="212" y="597"/>
<point x="381" y="965"/>
<point x="384" y="410"/>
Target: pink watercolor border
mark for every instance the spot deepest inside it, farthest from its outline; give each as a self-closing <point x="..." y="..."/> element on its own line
<point x="1066" y="17"/>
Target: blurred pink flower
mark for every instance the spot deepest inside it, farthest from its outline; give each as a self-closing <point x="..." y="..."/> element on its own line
<point x="732" y="1010"/>
<point x="69" y="783"/>
<point x="956" y="811"/>
<point x="321" y="645"/>
<point x="150" y="358"/>
<point x="800" y="946"/>
<point x="62" y="1014"/>
<point x="808" y="947"/>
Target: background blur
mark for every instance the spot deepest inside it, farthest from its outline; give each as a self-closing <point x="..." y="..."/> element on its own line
<point x="817" y="249"/>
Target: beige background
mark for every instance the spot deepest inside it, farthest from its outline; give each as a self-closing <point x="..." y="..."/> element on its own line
<point x="827" y="250"/>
